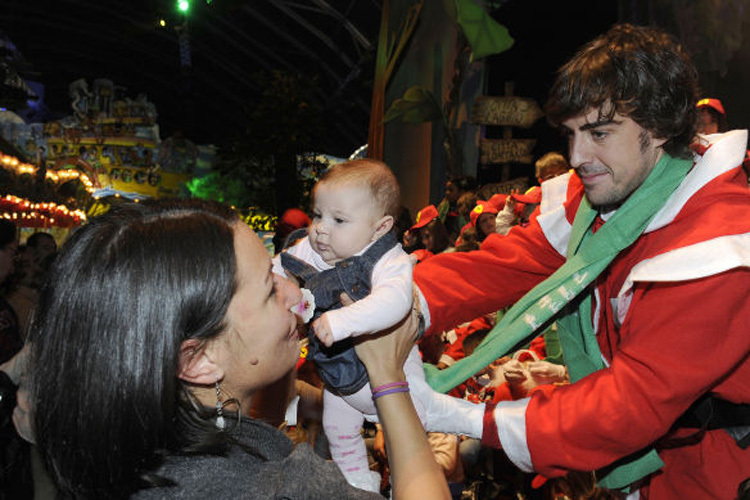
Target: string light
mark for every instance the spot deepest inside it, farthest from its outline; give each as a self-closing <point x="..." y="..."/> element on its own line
<point x="31" y="214"/>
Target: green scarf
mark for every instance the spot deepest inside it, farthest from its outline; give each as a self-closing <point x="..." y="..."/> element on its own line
<point x="588" y="256"/>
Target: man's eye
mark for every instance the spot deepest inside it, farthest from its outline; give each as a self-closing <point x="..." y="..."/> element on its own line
<point x="598" y="135"/>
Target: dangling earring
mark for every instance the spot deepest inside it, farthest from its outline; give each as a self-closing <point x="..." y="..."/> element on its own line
<point x="219" y="409"/>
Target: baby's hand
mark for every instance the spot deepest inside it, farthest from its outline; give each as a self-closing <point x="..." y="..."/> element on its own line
<point x="323" y="330"/>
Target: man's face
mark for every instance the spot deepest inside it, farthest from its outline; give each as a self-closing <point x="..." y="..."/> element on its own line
<point x="611" y="156"/>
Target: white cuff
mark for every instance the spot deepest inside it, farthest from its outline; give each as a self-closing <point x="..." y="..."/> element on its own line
<point x="447" y="360"/>
<point x="424" y="309"/>
<point x="510" y="418"/>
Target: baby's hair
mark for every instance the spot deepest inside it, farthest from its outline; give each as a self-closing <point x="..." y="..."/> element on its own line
<point x="371" y="174"/>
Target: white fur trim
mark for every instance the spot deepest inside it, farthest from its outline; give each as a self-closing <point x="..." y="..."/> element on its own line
<point x="554" y="192"/>
<point x="552" y="218"/>
<point x="726" y="152"/>
<point x="556" y="229"/>
<point x="700" y="260"/>
<point x="510" y="418"/>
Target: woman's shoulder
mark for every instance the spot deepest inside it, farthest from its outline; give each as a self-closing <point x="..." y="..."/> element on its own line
<point x="264" y="464"/>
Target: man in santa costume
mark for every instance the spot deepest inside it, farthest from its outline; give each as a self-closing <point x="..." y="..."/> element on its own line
<point x="641" y="256"/>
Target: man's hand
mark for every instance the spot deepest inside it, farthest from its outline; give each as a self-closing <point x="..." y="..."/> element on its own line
<point x="544" y="372"/>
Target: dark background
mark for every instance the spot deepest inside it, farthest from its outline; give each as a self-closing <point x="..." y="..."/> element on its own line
<point x="331" y="43"/>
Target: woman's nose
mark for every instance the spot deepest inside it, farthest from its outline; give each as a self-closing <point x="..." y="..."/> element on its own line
<point x="288" y="291"/>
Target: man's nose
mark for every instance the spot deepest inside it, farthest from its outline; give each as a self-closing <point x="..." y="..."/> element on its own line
<point x="578" y="151"/>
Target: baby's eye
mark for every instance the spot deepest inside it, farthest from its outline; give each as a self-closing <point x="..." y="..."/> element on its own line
<point x="316" y="215"/>
<point x="338" y="220"/>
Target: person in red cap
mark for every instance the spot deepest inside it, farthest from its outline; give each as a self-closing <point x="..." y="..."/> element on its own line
<point x="413" y="243"/>
<point x="483" y="218"/>
<point x="641" y="253"/>
<point x="712" y="117"/>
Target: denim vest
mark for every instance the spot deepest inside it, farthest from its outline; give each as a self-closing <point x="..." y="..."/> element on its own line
<point x="338" y="365"/>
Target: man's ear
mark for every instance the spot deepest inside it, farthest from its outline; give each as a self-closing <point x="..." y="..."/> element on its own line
<point x="197" y="365"/>
<point x="383" y="226"/>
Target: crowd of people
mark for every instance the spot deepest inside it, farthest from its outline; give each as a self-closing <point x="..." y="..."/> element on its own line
<point x="584" y="339"/>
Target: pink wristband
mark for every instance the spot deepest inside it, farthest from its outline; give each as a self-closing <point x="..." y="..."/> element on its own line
<point x="385" y="392"/>
<point x="388" y="386"/>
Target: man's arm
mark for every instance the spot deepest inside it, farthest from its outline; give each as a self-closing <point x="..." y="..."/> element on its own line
<point x="459" y="287"/>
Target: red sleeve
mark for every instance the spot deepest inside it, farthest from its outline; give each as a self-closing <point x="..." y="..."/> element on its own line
<point x="460" y="286"/>
<point x="678" y="341"/>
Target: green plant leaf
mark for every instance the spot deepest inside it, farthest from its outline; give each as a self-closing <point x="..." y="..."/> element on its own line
<point x="485" y="35"/>
<point x="417" y="105"/>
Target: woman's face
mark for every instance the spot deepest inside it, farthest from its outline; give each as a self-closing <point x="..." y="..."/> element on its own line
<point x="260" y="344"/>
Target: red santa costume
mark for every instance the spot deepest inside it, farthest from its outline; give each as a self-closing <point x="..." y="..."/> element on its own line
<point x="672" y="323"/>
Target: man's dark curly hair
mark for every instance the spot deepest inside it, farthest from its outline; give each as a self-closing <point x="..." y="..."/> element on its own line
<point x="638" y="72"/>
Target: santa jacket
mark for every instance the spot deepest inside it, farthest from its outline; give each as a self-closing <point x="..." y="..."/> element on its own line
<point x="672" y="314"/>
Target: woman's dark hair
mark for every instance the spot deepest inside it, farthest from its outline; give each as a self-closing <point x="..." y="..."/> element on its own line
<point x="638" y="72"/>
<point x="440" y="238"/>
<point x="123" y="294"/>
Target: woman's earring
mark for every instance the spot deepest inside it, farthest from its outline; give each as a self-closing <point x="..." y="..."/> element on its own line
<point x="219" y="409"/>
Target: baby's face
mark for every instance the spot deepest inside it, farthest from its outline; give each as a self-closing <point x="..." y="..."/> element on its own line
<point x="344" y="221"/>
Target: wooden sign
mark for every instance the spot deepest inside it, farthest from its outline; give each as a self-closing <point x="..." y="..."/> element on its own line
<point x="506" y="151"/>
<point x="506" y="111"/>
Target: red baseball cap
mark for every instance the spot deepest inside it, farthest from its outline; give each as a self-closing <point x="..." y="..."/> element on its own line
<point x="483" y="207"/>
<point x="533" y="195"/>
<point x="711" y="103"/>
<point x="498" y="201"/>
<point x="424" y="217"/>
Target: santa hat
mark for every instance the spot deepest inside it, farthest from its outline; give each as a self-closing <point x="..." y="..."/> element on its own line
<point x="424" y="217"/>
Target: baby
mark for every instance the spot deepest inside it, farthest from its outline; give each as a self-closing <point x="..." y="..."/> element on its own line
<point x="350" y="248"/>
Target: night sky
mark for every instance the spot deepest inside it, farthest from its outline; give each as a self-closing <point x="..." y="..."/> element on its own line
<point x="231" y="40"/>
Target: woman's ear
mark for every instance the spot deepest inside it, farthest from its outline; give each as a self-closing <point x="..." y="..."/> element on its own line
<point x="196" y="364"/>
<point x="383" y="226"/>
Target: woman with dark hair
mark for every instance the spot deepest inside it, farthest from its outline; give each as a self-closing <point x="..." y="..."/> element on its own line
<point x="158" y="325"/>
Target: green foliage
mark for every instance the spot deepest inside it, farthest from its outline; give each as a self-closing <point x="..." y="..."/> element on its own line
<point x="417" y="105"/>
<point x="215" y="186"/>
<point x="485" y="35"/>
